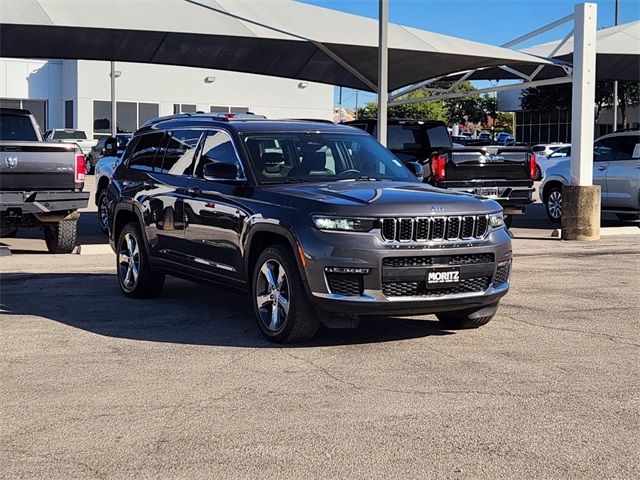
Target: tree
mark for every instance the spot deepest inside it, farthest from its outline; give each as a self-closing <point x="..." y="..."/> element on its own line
<point x="432" y="110"/>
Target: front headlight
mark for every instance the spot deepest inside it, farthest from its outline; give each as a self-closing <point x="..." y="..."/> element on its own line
<point x="496" y="220"/>
<point x="343" y="224"/>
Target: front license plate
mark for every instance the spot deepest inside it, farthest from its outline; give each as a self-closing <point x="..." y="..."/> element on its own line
<point x="443" y="277"/>
<point x="489" y="192"/>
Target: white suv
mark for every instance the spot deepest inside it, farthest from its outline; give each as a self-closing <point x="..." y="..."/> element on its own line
<point x="616" y="168"/>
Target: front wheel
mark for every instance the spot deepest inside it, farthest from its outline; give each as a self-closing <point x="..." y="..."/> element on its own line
<point x="61" y="237"/>
<point x="538" y="173"/>
<point x="465" y="319"/>
<point x="553" y="204"/>
<point x="283" y="312"/>
<point x="508" y="220"/>
<point x="135" y="276"/>
<point x="88" y="162"/>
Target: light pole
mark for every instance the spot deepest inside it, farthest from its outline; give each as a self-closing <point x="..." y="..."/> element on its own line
<point x="383" y="71"/>
<point x="114" y="74"/>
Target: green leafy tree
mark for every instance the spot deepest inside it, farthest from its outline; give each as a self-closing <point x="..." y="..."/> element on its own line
<point x="433" y="110"/>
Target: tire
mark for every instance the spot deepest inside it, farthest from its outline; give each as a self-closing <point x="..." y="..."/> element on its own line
<point x="466" y="319"/>
<point x="275" y="276"/>
<point x="135" y="276"/>
<point x="8" y="233"/>
<point x="103" y="211"/>
<point x="61" y="237"/>
<point x="538" y="173"/>
<point x="89" y="165"/>
<point x="508" y="220"/>
<point x="553" y="204"/>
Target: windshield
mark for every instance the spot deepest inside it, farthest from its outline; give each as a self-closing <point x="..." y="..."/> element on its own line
<point x="69" y="135"/>
<point x="321" y="157"/>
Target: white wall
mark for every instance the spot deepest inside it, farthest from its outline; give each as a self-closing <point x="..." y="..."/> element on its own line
<point x="166" y="85"/>
<point x="85" y="81"/>
<point x="35" y="80"/>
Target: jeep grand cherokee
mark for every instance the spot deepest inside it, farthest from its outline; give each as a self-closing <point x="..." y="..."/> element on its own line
<point x="316" y="221"/>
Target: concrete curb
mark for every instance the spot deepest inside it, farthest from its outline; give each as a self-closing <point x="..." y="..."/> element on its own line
<point x="93" y="249"/>
<point x="605" y="231"/>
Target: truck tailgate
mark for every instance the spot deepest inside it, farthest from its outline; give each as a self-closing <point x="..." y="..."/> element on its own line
<point x="31" y="166"/>
<point x="484" y="163"/>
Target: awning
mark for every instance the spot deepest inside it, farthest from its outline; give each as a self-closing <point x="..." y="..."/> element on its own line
<point x="280" y="38"/>
<point x="617" y="57"/>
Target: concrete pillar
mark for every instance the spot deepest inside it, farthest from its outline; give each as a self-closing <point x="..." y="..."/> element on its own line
<point x="580" y="219"/>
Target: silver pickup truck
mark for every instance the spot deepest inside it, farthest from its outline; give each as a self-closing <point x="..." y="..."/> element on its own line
<point x="40" y="183"/>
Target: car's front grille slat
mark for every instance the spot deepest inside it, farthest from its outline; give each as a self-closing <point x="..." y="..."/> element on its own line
<point x="436" y="229"/>
<point x="419" y="289"/>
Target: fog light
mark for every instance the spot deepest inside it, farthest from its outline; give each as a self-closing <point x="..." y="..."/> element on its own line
<point x="361" y="271"/>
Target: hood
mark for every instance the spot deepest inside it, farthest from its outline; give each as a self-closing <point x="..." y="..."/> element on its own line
<point x="378" y="198"/>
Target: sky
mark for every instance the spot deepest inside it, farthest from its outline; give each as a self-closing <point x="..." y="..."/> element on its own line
<point x="488" y="21"/>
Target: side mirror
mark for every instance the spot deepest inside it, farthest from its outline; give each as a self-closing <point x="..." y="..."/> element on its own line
<point x="220" y="171"/>
<point x="110" y="147"/>
<point x="416" y="169"/>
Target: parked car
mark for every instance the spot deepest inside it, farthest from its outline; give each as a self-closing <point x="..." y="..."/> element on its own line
<point x="70" y="135"/>
<point x="504" y="138"/>
<point x="104" y="169"/>
<point x="504" y="174"/>
<point x="616" y="168"/>
<point x="40" y="183"/>
<point x="546" y="162"/>
<point x="317" y="222"/>
<point x="98" y="150"/>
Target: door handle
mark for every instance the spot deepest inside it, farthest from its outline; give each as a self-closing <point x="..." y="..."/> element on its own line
<point x="602" y="168"/>
<point x="148" y="185"/>
<point x="194" y="192"/>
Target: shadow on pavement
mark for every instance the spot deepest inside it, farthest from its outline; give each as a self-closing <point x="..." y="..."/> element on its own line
<point x="186" y="313"/>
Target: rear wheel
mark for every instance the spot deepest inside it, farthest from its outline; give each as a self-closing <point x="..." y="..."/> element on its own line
<point x="538" y="173"/>
<point x="553" y="204"/>
<point x="61" y="237"/>
<point x="135" y="276"/>
<point x="283" y="312"/>
<point x="103" y="211"/>
<point x="467" y="318"/>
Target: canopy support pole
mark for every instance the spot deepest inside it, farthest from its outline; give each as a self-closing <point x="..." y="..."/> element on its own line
<point x="383" y="71"/>
<point x="581" y="199"/>
<point x="113" y="99"/>
<point x="615" y="83"/>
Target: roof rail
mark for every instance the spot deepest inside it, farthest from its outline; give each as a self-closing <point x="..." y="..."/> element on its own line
<point x="318" y="120"/>
<point x="220" y="116"/>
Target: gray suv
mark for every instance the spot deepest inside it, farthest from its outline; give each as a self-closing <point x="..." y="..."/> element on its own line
<point x="317" y="222"/>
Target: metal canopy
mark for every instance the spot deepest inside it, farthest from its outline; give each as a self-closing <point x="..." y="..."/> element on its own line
<point x="279" y="38"/>
<point x="617" y="57"/>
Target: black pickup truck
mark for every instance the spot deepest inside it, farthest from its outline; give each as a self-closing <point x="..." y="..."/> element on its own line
<point x="40" y="182"/>
<point x="505" y="174"/>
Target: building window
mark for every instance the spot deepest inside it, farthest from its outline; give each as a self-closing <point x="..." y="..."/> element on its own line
<point x="239" y="109"/>
<point x="184" y="108"/>
<point x="218" y="109"/>
<point x="147" y="111"/>
<point x="37" y="107"/>
<point x="130" y="115"/>
<point x="126" y="117"/>
<point x="68" y="114"/>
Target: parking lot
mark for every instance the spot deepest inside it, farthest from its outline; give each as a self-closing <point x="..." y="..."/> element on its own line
<point x="95" y="385"/>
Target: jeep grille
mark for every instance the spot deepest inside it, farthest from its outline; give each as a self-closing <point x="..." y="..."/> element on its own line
<point x="424" y="229"/>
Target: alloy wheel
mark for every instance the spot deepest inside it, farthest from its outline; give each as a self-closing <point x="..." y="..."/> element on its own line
<point x="272" y="295"/>
<point x="554" y="204"/>
<point x="129" y="262"/>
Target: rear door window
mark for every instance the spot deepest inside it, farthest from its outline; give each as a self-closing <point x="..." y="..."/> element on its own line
<point x="603" y="150"/>
<point x="627" y="147"/>
<point x="144" y="153"/>
<point x="179" y="152"/>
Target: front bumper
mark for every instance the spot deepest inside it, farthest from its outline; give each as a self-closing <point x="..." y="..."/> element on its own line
<point x="391" y="290"/>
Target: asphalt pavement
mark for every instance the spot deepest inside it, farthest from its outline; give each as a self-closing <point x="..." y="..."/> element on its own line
<point x="95" y="385"/>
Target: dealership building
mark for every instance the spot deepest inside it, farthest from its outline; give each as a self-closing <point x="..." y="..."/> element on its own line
<point x="77" y="93"/>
